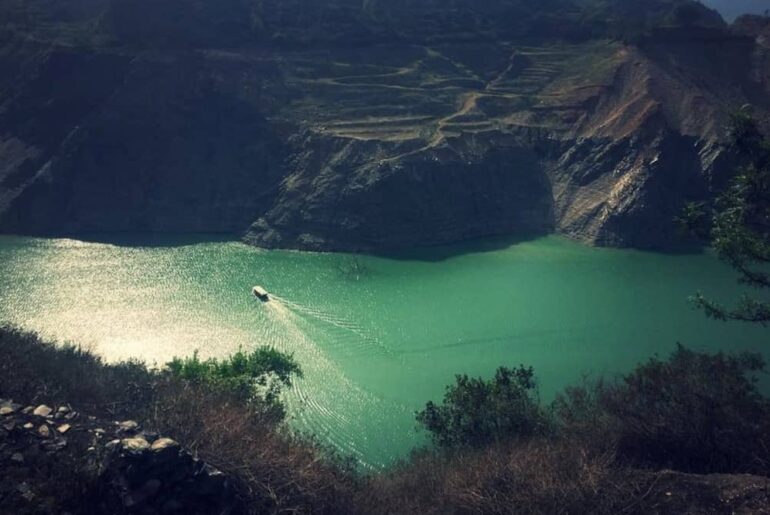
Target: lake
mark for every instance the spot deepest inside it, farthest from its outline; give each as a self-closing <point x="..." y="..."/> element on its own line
<point x="377" y="337"/>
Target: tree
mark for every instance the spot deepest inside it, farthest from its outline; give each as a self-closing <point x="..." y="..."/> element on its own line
<point x="694" y="412"/>
<point x="257" y="376"/>
<point x="477" y="412"/>
<point x="737" y="225"/>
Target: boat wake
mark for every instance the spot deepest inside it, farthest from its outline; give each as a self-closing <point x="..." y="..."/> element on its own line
<point x="345" y="336"/>
<point x="336" y="407"/>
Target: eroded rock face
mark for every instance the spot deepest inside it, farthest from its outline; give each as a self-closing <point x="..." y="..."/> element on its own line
<point x="345" y="200"/>
<point x="336" y="131"/>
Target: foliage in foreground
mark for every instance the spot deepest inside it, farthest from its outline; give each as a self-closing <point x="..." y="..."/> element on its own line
<point x="477" y="412"/>
<point x="259" y="374"/>
<point x="274" y="471"/>
<point x="574" y="470"/>
<point x="737" y="225"/>
<point x="693" y="412"/>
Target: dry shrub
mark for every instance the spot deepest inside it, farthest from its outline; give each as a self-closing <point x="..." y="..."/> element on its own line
<point x="574" y="470"/>
<point x="33" y="370"/>
<point x="693" y="412"/>
<point x="275" y="471"/>
<point x="538" y="476"/>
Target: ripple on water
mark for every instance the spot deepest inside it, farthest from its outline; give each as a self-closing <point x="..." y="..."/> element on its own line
<point x="373" y="349"/>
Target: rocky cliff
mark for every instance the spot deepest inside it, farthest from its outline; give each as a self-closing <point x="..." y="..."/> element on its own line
<point x="349" y="125"/>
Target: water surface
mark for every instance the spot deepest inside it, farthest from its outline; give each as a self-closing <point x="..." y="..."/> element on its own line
<point x="376" y="337"/>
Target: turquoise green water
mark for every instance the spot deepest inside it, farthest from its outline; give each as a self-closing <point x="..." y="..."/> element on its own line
<point x="376" y="337"/>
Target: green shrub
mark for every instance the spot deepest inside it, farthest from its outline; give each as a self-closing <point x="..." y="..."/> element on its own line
<point x="693" y="412"/>
<point x="477" y="412"/>
<point x="258" y="375"/>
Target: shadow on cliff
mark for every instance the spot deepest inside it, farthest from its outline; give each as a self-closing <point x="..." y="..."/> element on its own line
<point x="437" y="253"/>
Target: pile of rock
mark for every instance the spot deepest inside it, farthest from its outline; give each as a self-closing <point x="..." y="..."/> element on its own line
<point x="156" y="475"/>
<point x="121" y="468"/>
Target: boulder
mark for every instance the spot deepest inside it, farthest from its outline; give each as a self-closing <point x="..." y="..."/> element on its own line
<point x="134" y="446"/>
<point x="163" y="444"/>
<point x="42" y="411"/>
<point x="8" y="408"/>
<point x="128" y="427"/>
<point x="163" y="478"/>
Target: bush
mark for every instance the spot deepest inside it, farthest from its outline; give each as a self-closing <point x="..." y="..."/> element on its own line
<point x="535" y="476"/>
<point x="39" y="371"/>
<point x="258" y="375"/>
<point x="693" y="412"/>
<point x="477" y="412"/>
<point x="273" y="470"/>
<point x="500" y="450"/>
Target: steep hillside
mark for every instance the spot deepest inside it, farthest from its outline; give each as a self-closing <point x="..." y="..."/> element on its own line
<point x="367" y="125"/>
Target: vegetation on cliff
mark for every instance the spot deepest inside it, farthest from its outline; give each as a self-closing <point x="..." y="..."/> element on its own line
<point x="174" y="24"/>
<point x="737" y="223"/>
<point x="349" y="125"/>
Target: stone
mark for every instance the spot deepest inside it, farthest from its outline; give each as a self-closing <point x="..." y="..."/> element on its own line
<point x="128" y="427"/>
<point x="44" y="431"/>
<point x="63" y="410"/>
<point x="17" y="457"/>
<point x="162" y="444"/>
<point x="64" y="428"/>
<point x="28" y="410"/>
<point x="55" y="445"/>
<point x="28" y="425"/>
<point x="210" y="480"/>
<point x="6" y="410"/>
<point x="136" y="445"/>
<point x="42" y="411"/>
<point x="26" y="491"/>
<point x="112" y="444"/>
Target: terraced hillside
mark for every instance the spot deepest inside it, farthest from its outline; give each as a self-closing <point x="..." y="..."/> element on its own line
<point x="368" y="126"/>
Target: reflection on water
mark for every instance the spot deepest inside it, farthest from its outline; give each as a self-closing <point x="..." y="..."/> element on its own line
<point x="376" y="337"/>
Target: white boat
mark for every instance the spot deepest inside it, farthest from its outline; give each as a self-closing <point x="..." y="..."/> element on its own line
<point x="260" y="293"/>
